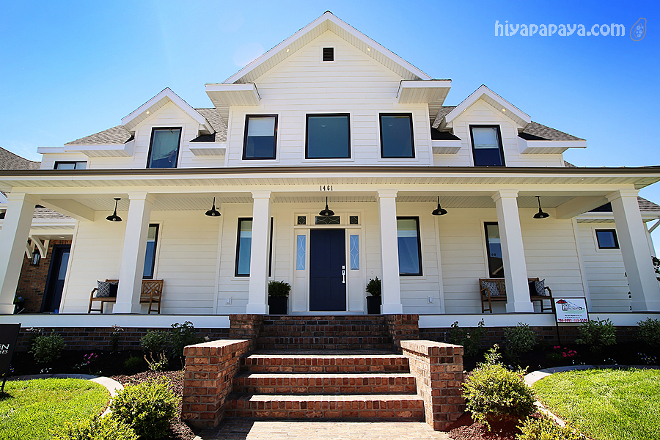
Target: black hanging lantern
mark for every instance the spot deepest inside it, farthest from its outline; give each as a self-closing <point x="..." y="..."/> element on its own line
<point x="114" y="217"/>
<point x="540" y="214"/>
<point x="326" y="212"/>
<point x="213" y="212"/>
<point x="439" y="210"/>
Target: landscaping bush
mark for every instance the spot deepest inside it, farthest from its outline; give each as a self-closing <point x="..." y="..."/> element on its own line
<point x="279" y="289"/>
<point x="493" y="392"/>
<point x="519" y="339"/>
<point x="470" y="339"/>
<point x="546" y="429"/>
<point x="155" y="343"/>
<point x="148" y="408"/>
<point x="132" y="362"/>
<point x="180" y="336"/>
<point x="649" y="332"/>
<point x="97" y="428"/>
<point x="47" y="349"/>
<point x="597" y="334"/>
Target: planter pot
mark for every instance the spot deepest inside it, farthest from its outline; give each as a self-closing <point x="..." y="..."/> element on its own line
<point x="277" y="305"/>
<point x="373" y="305"/>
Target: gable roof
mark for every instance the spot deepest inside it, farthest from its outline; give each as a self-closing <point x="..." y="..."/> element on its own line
<point x="120" y="135"/>
<point x="11" y="161"/>
<point x="326" y="22"/>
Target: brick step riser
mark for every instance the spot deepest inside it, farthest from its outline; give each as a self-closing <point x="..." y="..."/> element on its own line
<point x="325" y="347"/>
<point x="399" y="410"/>
<point x="275" y="385"/>
<point x="398" y="364"/>
<point x="325" y="369"/>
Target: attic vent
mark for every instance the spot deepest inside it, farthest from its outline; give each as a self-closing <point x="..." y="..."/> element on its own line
<point x="328" y="54"/>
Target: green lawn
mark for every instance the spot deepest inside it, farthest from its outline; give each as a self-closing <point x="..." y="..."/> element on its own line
<point x="606" y="404"/>
<point x="31" y="409"/>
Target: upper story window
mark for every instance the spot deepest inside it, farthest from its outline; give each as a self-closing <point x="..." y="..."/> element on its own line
<point x="410" y="249"/>
<point x="80" y="165"/>
<point x="328" y="136"/>
<point x="260" y="137"/>
<point x="396" y="136"/>
<point x="487" y="145"/>
<point x="607" y="239"/>
<point x="164" y="148"/>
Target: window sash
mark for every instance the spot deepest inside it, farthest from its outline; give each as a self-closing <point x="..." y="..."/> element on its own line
<point x="607" y="239"/>
<point x="70" y="165"/>
<point x="328" y="136"/>
<point x="494" y="250"/>
<point x="260" y="137"/>
<point x="409" y="246"/>
<point x="150" y="252"/>
<point x="396" y="136"/>
<point x="487" y="145"/>
<point x="244" y="248"/>
<point x="164" y="148"/>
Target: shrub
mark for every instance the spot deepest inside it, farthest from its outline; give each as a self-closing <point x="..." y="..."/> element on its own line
<point x="47" y="349"/>
<point x="469" y="339"/>
<point x="279" y="289"/>
<point x="493" y="392"/>
<point x="373" y="287"/>
<point x="155" y="343"/>
<point x="546" y="429"/>
<point x="597" y="334"/>
<point x="519" y="339"/>
<point x="180" y="336"/>
<point x="147" y="407"/>
<point x="114" y="337"/>
<point x="649" y="332"/>
<point x="97" y="428"/>
<point x="132" y="362"/>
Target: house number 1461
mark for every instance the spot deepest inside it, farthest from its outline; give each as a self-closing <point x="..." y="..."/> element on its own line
<point x="325" y="188"/>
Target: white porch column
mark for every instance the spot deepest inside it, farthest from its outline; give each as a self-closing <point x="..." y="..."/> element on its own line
<point x="13" y="239"/>
<point x="389" y="253"/>
<point x="513" y="253"/>
<point x="630" y="230"/>
<point x="258" y="287"/>
<point x="132" y="256"/>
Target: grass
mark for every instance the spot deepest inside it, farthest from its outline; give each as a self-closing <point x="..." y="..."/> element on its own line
<point x="30" y="409"/>
<point x="606" y="404"/>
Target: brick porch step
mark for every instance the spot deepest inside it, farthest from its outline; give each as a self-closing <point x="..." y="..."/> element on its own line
<point x="345" y="407"/>
<point x="310" y="383"/>
<point x="311" y="363"/>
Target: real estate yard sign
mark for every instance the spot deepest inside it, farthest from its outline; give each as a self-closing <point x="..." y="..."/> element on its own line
<point x="8" y="338"/>
<point x="571" y="310"/>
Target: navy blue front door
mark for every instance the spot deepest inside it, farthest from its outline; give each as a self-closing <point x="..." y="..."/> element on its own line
<point x="327" y="259"/>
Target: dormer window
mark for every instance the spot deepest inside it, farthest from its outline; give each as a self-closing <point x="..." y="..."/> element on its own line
<point x="70" y="165"/>
<point x="487" y="146"/>
<point x="328" y="54"/>
<point x="164" y="147"/>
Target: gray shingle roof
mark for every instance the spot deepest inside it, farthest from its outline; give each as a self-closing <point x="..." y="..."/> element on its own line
<point x="11" y="161"/>
<point x="647" y="205"/>
<point x="119" y="134"/>
<point x="48" y="213"/>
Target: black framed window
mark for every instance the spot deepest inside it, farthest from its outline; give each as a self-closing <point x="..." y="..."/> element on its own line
<point x="150" y="254"/>
<point x="607" y="239"/>
<point x="164" y="148"/>
<point x="487" y="145"/>
<point x="260" y="141"/>
<point x="396" y="136"/>
<point x="494" y="250"/>
<point x="70" y="165"/>
<point x="328" y="136"/>
<point x="244" y="247"/>
<point x="409" y="244"/>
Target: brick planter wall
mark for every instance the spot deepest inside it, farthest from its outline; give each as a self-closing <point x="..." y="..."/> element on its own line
<point x="438" y="369"/>
<point x="210" y="370"/>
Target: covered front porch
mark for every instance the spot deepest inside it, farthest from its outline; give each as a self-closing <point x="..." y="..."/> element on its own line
<point x="271" y="229"/>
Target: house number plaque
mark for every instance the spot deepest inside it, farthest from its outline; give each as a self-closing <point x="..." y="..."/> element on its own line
<point x="323" y="188"/>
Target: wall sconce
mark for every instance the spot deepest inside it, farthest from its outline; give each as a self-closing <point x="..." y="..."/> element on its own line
<point x="36" y="257"/>
<point x="114" y="217"/>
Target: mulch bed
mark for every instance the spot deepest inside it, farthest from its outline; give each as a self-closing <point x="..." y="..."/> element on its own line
<point x="467" y="429"/>
<point x="178" y="430"/>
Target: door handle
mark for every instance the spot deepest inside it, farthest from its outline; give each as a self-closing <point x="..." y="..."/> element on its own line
<point x="343" y="274"/>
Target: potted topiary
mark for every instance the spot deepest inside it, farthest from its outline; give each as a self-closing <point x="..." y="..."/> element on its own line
<point x="278" y="295"/>
<point x="373" y="301"/>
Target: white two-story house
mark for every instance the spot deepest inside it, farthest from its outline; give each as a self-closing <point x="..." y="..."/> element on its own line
<point x="333" y="161"/>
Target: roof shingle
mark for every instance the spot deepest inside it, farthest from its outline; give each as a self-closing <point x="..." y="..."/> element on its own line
<point x="11" y="161"/>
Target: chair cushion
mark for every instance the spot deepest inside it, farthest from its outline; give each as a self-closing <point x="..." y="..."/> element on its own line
<point x="106" y="289"/>
<point x="537" y="288"/>
<point x="492" y="288"/>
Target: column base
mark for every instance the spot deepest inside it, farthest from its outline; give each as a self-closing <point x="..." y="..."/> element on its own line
<point x="520" y="307"/>
<point x="256" y="309"/>
<point x="126" y="308"/>
<point x="648" y="306"/>
<point x="6" y="309"/>
<point x="392" y="309"/>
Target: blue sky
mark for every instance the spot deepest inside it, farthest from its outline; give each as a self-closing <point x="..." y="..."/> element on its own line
<point x="70" y="69"/>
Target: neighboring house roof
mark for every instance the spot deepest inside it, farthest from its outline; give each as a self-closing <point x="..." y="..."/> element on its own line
<point x="647" y="205"/>
<point x="45" y="213"/>
<point x="120" y="135"/>
<point x="11" y="161"/>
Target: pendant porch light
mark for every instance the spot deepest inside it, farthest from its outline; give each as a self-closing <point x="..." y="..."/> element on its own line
<point x="213" y="212"/>
<point x="114" y="217"/>
<point x="439" y="210"/>
<point x="326" y="212"/>
<point x="540" y="214"/>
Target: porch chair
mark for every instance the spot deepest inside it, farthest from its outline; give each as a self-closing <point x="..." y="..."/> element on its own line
<point x="152" y="292"/>
<point x="494" y="289"/>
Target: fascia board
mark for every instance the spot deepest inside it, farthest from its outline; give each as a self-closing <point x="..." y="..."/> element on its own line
<point x="549" y="146"/>
<point x="50" y="150"/>
<point x="476" y="95"/>
<point x="167" y="93"/>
